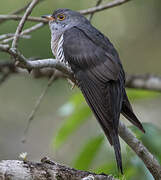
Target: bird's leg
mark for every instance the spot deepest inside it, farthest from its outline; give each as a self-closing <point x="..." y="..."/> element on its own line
<point x="73" y="84"/>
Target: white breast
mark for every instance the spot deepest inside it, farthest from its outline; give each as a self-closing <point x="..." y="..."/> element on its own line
<point x="57" y="49"/>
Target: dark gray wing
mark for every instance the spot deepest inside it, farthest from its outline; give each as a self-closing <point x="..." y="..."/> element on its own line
<point x="98" y="74"/>
<point x="100" y="40"/>
<point x="86" y="54"/>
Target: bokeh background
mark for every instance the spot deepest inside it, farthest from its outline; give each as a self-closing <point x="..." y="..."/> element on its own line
<point x="135" y="30"/>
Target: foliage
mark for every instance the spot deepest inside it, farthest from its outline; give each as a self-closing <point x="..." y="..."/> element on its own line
<point x="88" y="152"/>
<point x="77" y="113"/>
<point x="141" y="94"/>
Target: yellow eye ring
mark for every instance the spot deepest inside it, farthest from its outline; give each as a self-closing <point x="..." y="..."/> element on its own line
<point x="61" y="17"/>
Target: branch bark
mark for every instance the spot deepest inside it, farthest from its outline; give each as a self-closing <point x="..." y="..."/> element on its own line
<point x="46" y="170"/>
<point x="146" y="81"/>
<point x="149" y="160"/>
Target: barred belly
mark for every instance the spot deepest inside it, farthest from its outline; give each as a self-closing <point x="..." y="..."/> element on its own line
<point x="57" y="49"/>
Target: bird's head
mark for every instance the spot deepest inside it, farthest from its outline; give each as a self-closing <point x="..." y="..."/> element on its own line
<point x="63" y="19"/>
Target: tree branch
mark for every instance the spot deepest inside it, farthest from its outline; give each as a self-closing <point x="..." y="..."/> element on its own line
<point x="22" y="22"/>
<point x="26" y="31"/>
<point x="103" y="7"/>
<point x="92" y="14"/>
<point x="37" y="105"/>
<point x="4" y="36"/>
<point x="145" y="81"/>
<point x="14" y="170"/>
<point x="84" y="12"/>
<point x="149" y="160"/>
<point x="19" y="17"/>
<point x="18" y="11"/>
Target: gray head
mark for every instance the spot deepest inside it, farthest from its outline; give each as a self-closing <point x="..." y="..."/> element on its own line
<point x="63" y="19"/>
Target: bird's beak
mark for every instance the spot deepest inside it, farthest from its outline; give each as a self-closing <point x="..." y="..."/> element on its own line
<point x="48" y="17"/>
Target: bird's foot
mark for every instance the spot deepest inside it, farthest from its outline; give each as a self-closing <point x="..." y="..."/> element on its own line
<point x="72" y="84"/>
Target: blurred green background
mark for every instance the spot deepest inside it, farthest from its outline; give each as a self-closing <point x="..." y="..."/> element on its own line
<point x="64" y="127"/>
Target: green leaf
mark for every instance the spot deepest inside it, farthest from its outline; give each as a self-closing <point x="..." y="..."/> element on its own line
<point x="77" y="99"/>
<point x="107" y="168"/>
<point x="111" y="168"/>
<point x="70" y="125"/>
<point x="74" y="102"/>
<point x="135" y="94"/>
<point x="88" y="153"/>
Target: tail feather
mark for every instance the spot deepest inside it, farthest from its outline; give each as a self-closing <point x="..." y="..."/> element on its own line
<point x="117" y="149"/>
<point x="104" y="101"/>
<point x="128" y="113"/>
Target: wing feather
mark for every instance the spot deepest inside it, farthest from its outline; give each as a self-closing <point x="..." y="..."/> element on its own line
<point x="97" y="73"/>
<point x="82" y="53"/>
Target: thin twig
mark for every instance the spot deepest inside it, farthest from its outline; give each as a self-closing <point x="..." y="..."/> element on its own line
<point x="4" y="36"/>
<point x="19" y="17"/>
<point x="37" y="105"/>
<point x="84" y="11"/>
<point x="23" y="8"/>
<point x="22" y="22"/>
<point x="91" y="15"/>
<point x="17" y="12"/>
<point x="103" y="7"/>
<point x="26" y="31"/>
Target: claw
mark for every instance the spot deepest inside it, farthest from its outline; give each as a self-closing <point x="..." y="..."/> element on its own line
<point x="72" y="84"/>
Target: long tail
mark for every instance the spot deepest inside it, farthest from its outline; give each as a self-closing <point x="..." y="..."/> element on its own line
<point x="117" y="149"/>
<point x="128" y="113"/>
<point x="104" y="101"/>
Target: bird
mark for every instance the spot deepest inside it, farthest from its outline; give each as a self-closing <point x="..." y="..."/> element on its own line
<point x="97" y="69"/>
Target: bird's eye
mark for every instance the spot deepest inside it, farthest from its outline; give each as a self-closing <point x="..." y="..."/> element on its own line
<point x="61" y="17"/>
